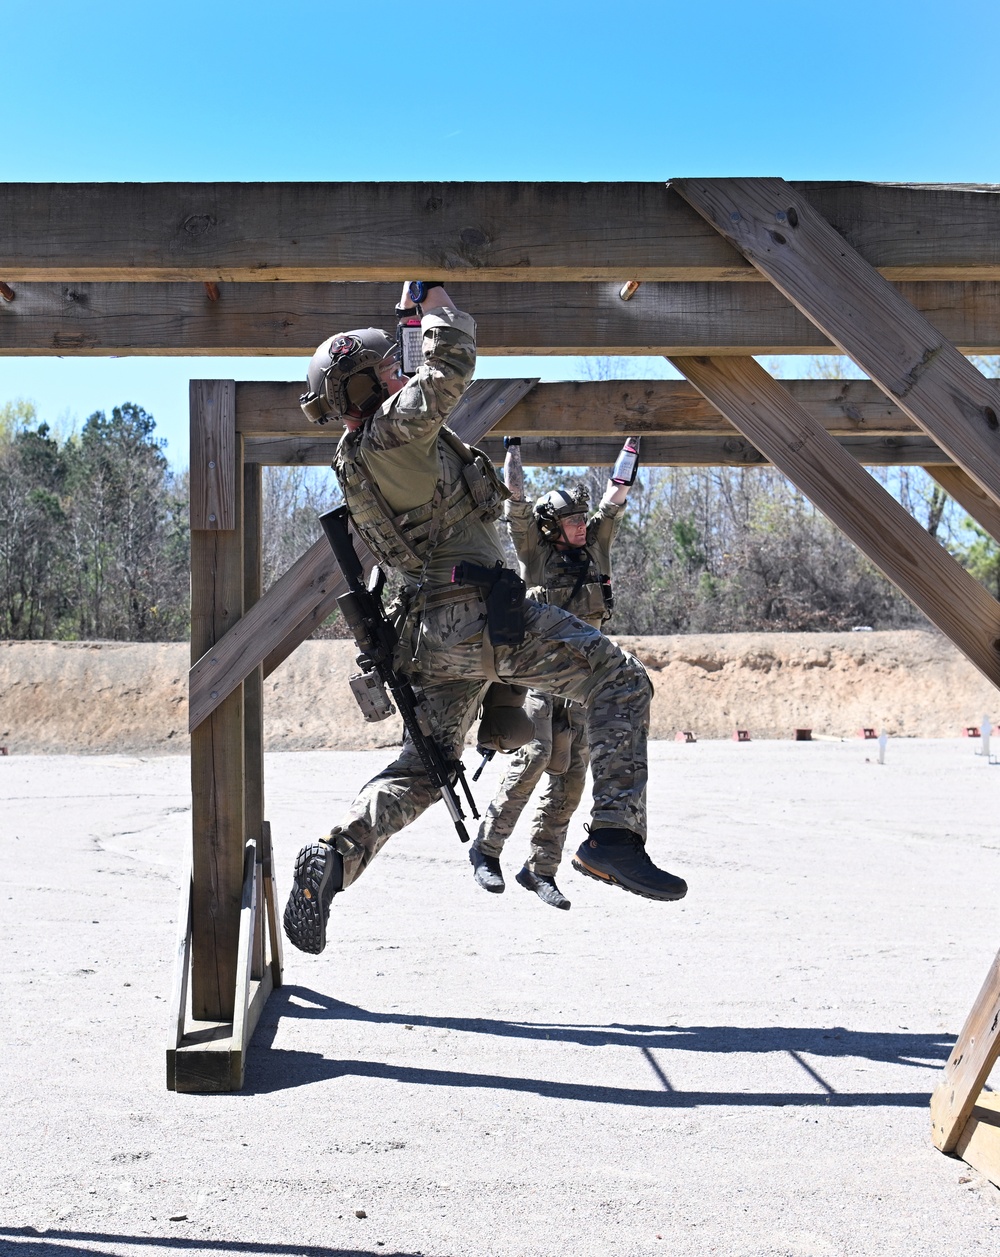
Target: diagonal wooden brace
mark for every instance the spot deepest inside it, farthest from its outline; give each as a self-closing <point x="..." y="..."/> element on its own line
<point x="807" y="260"/>
<point x="813" y="460"/>
<point x="969" y="1065"/>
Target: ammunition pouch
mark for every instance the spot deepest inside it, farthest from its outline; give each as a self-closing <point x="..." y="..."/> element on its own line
<point x="505" y="725"/>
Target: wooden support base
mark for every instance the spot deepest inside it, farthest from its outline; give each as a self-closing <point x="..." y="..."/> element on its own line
<point x="210" y="1056"/>
<point x="979" y="1143"/>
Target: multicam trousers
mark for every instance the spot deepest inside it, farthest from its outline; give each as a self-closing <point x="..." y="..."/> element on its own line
<point x="560" y="796"/>
<point x="560" y="653"/>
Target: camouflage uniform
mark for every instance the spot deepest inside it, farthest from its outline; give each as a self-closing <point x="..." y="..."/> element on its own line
<point x="552" y="576"/>
<point x="399" y="468"/>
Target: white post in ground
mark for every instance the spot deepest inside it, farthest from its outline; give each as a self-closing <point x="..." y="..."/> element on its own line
<point x="984" y="733"/>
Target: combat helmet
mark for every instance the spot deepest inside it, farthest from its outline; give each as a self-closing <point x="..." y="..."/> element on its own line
<point x="343" y="376"/>
<point x="555" y="506"/>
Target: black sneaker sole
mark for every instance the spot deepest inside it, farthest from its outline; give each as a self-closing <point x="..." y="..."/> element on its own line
<point x="306" y="913"/>
<point x="609" y="880"/>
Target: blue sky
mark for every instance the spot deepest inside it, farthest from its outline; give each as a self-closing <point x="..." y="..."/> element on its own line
<point x="882" y="90"/>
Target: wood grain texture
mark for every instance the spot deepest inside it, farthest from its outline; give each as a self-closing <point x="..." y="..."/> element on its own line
<point x="594" y="408"/>
<point x="213" y="438"/>
<point x="979" y="1142"/>
<point x="307" y="593"/>
<point x="921" y="568"/>
<point x="911" y="360"/>
<point x="318" y="232"/>
<point x="512" y="318"/>
<point x="217" y="771"/>
<point x="969" y="1065"/>
<point x="572" y="450"/>
<point x="969" y="496"/>
<point x="253" y="691"/>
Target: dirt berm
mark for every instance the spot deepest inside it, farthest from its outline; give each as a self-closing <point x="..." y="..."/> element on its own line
<point x="94" y="697"/>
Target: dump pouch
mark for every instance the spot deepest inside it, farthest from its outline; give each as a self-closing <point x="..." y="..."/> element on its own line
<point x="505" y="725"/>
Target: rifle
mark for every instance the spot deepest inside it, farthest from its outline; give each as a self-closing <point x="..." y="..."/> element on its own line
<point x="376" y="639"/>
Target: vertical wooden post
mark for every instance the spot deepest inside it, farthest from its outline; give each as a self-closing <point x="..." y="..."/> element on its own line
<point x="217" y="767"/>
<point x="253" y="695"/>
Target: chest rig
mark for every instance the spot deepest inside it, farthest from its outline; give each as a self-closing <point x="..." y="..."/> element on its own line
<point x="573" y="581"/>
<point x="467" y="488"/>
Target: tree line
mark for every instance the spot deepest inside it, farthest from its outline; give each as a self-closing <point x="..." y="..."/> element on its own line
<point x="95" y="544"/>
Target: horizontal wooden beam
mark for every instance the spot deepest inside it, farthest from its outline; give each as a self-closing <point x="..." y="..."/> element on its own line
<point x="256" y="232"/>
<point x="657" y="451"/>
<point x="595" y="408"/>
<point x="92" y="319"/>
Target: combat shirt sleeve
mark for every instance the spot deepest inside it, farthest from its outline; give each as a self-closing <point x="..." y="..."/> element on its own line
<point x="414" y="416"/>
<point x="399" y="443"/>
<point x="523" y="532"/>
<point x="602" y="528"/>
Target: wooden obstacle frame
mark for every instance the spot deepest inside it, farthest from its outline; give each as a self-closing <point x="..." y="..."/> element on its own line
<point x="903" y="279"/>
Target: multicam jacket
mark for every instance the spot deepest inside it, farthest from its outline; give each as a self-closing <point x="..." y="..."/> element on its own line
<point x="420" y="497"/>
<point x="552" y="575"/>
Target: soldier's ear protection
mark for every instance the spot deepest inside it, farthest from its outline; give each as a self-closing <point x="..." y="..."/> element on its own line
<point x="349" y="385"/>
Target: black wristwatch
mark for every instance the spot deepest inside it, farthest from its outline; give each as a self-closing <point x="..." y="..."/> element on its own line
<point x="508" y="441"/>
<point x="419" y="288"/>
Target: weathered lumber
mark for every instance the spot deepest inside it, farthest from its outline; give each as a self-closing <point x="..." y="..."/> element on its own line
<point x="300" y="600"/>
<point x="253" y="695"/>
<point x="483" y="231"/>
<point x="213" y="488"/>
<point x="790" y="242"/>
<point x="217" y="741"/>
<point x="969" y="1065"/>
<point x="513" y="318"/>
<point x="677" y="450"/>
<point x="968" y="495"/>
<point x="859" y="506"/>
<point x="979" y="1142"/>
<point x="594" y="408"/>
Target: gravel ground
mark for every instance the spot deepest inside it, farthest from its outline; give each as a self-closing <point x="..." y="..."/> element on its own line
<point x="744" y="1073"/>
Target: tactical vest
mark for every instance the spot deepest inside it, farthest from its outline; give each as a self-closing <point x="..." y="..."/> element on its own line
<point x="405" y="541"/>
<point x="569" y="570"/>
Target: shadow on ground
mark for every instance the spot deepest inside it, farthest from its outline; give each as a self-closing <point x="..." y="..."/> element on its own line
<point x="24" y="1241"/>
<point x="276" y="1069"/>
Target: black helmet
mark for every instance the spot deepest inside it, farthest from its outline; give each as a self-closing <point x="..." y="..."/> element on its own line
<point x="343" y="376"/>
<point x="552" y="507"/>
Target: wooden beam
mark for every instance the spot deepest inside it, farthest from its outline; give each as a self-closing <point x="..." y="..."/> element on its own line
<point x="969" y="496"/>
<point x="790" y="242"/>
<point x="213" y="433"/>
<point x="572" y="450"/>
<point x="72" y="232"/>
<point x="217" y="785"/>
<point x="969" y="1065"/>
<point x="595" y="408"/>
<point x="513" y="318"/>
<point x="859" y="506"/>
<point x="979" y="1143"/>
<point x="299" y="602"/>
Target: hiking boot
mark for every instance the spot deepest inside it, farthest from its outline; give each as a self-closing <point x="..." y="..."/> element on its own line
<point x="487" y="870"/>
<point x="544" y="887"/>
<point x="618" y="857"/>
<point x="319" y="875"/>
